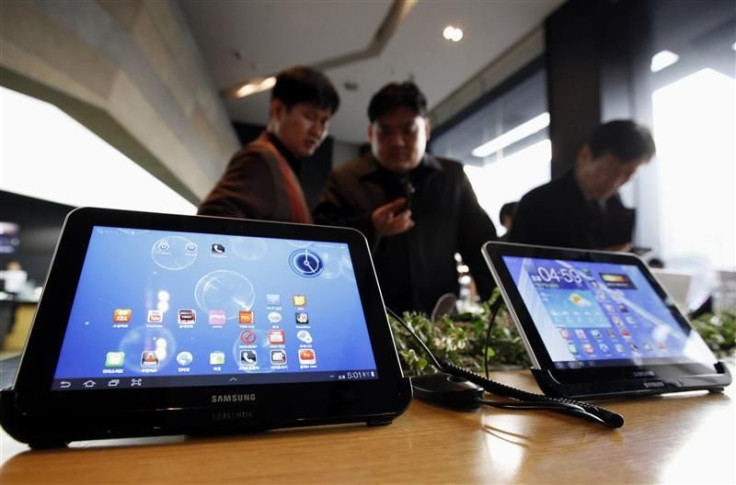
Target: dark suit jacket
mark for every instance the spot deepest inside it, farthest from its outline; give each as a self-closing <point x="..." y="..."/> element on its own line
<point x="417" y="267"/>
<point x="558" y="214"/>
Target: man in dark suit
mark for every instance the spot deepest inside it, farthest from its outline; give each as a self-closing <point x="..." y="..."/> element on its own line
<point x="416" y="210"/>
<point x="582" y="208"/>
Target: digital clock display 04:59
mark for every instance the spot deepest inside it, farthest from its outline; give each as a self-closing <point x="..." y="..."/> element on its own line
<point x="555" y="275"/>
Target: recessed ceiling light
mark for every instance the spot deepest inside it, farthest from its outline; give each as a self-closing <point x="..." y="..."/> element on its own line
<point x="452" y="33"/>
<point x="663" y="59"/>
<point x="256" y="86"/>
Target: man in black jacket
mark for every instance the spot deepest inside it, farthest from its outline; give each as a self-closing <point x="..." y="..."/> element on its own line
<point x="416" y="210"/>
<point x="582" y="208"/>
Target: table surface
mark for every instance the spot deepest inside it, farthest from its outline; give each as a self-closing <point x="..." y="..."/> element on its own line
<point x="682" y="438"/>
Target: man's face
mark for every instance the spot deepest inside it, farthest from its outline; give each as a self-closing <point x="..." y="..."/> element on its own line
<point x="603" y="176"/>
<point x="399" y="139"/>
<point x="301" y="129"/>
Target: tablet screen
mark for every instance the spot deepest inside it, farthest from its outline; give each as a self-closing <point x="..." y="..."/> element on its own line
<point x="175" y="309"/>
<point x="601" y="314"/>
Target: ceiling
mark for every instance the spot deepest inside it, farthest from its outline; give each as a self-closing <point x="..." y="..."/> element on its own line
<point x="241" y="40"/>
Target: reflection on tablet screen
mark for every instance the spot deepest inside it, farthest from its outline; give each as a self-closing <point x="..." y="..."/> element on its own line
<point x="601" y="314"/>
<point x="164" y="308"/>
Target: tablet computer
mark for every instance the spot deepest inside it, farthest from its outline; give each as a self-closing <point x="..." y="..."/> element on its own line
<point x="598" y="324"/>
<point x="156" y="324"/>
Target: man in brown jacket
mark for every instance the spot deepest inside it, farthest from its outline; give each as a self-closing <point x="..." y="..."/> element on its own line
<point x="261" y="180"/>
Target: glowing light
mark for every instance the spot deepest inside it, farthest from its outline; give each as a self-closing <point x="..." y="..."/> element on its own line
<point x="73" y="166"/>
<point x="256" y="86"/>
<point x="522" y="131"/>
<point x="452" y="33"/>
<point x="663" y="59"/>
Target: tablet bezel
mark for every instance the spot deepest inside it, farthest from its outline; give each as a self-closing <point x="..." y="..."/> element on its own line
<point x="285" y="403"/>
<point x="631" y="378"/>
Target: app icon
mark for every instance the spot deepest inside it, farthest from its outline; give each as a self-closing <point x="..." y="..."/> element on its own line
<point x="276" y="337"/>
<point x="217" y="317"/>
<point x="596" y="333"/>
<point x="580" y="333"/>
<point x="634" y="347"/>
<point x="191" y="247"/>
<point x="122" y="315"/>
<point x="248" y="337"/>
<point x="630" y="320"/>
<point x="565" y="333"/>
<point x="609" y="308"/>
<point x="274" y="317"/>
<point x="617" y="320"/>
<point x="304" y="336"/>
<point x="149" y="359"/>
<point x="620" y="348"/>
<point x="217" y="358"/>
<point x="245" y="317"/>
<point x="114" y="359"/>
<point x="579" y="301"/>
<point x="218" y="249"/>
<point x="571" y="347"/>
<point x="299" y="300"/>
<point x="623" y="308"/>
<point x="305" y="262"/>
<point x="187" y="317"/>
<point x="624" y="332"/>
<point x="278" y="357"/>
<point x="184" y="358"/>
<point x="647" y="346"/>
<point x="307" y="357"/>
<point x="661" y="345"/>
<point x="273" y="299"/>
<point x="155" y="316"/>
<point x="603" y="347"/>
<point x="248" y="357"/>
<point x="163" y="245"/>
<point x="611" y="333"/>
<point x="588" y="348"/>
<point x="302" y="318"/>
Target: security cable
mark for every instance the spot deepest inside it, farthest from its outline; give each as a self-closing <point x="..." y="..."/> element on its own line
<point x="521" y="399"/>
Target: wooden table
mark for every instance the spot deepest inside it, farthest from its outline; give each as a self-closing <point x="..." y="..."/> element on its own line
<point x="685" y="438"/>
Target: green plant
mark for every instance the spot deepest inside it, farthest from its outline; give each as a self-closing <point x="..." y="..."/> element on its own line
<point x="718" y="331"/>
<point x="461" y="339"/>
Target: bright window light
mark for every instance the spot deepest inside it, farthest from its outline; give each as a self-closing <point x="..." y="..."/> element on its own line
<point x="522" y="131"/>
<point x="44" y="153"/>
<point x="733" y="46"/>
<point x="663" y="59"/>
<point x="508" y="179"/>
<point x="694" y="126"/>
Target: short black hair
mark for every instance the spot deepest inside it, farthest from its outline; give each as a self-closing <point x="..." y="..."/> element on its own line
<point x="300" y="84"/>
<point x="625" y="139"/>
<point x="397" y="95"/>
<point x="508" y="209"/>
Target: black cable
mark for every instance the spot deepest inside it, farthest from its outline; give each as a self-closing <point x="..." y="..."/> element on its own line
<point x="436" y="362"/>
<point x="523" y="399"/>
<point x="494" y="312"/>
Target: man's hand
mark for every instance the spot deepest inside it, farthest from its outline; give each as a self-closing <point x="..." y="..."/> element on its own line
<point x="391" y="219"/>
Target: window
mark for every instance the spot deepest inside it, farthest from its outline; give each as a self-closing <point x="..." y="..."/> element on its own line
<point x="694" y="122"/>
<point x="46" y="154"/>
<point x="502" y="141"/>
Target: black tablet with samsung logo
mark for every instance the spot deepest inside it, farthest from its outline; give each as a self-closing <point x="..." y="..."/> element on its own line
<point x="598" y="324"/>
<point x="162" y="324"/>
